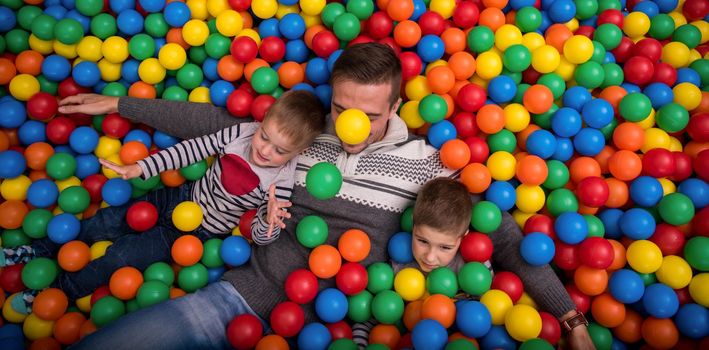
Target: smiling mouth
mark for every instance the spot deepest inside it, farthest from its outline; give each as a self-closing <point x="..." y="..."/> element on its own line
<point x="261" y="157"/>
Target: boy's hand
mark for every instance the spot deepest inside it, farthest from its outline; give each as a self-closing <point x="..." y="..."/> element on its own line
<point x="92" y="104"/>
<point x="276" y="211"/>
<point x="127" y="172"/>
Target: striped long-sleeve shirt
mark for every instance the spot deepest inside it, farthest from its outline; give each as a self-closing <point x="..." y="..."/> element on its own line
<point x="233" y="184"/>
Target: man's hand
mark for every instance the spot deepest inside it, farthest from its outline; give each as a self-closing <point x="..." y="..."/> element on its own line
<point x="127" y="172"/>
<point x="92" y="104"/>
<point x="579" y="339"/>
<point x="276" y="211"/>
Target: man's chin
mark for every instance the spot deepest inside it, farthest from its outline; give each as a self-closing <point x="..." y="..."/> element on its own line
<point x="353" y="149"/>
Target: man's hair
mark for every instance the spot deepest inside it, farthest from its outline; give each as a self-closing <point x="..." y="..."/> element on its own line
<point x="443" y="204"/>
<point x="371" y="64"/>
<point x="299" y="115"/>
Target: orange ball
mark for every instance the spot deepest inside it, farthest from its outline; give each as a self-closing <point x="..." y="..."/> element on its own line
<point x="490" y="119"/>
<point x="230" y="69"/>
<point x="629" y="136"/>
<point x="613" y="94"/>
<point x="176" y="293"/>
<point x="74" y="256"/>
<point x="37" y="155"/>
<point x="524" y="134"/>
<point x="172" y="178"/>
<point x="462" y="64"/>
<point x="311" y="32"/>
<point x="290" y="73"/>
<point x="454" y="40"/>
<point x="47" y="343"/>
<point x="386" y="334"/>
<point x="583" y="167"/>
<point x="50" y="304"/>
<point x="324" y="261"/>
<point x="607" y="311"/>
<point x="12" y="213"/>
<point x="625" y="165"/>
<point x="124" y="283"/>
<point x="450" y="103"/>
<point x="133" y="151"/>
<point x="29" y="62"/>
<point x="7" y="71"/>
<point x="354" y="245"/>
<point x="252" y="66"/>
<point x="87" y="328"/>
<point x="628" y="331"/>
<point x="619" y="259"/>
<point x="476" y="177"/>
<point x="532" y="170"/>
<point x="603" y="156"/>
<point x="590" y="281"/>
<point x="455" y="154"/>
<point x="407" y="33"/>
<point x="660" y="333"/>
<point x="538" y="99"/>
<point x="499" y="4"/>
<point x="272" y="342"/>
<point x="187" y="250"/>
<point x="141" y="89"/>
<point x="174" y="35"/>
<point x="492" y="18"/>
<point x="440" y="79"/>
<point x="4" y="141"/>
<point x="617" y="193"/>
<point x="66" y="329"/>
<point x="400" y="10"/>
<point x="440" y="308"/>
<point x="412" y="314"/>
<point x="556" y="35"/>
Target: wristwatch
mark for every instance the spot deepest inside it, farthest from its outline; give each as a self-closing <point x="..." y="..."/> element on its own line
<point x="574" y="321"/>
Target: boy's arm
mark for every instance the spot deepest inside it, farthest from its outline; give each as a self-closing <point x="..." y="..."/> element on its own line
<point x="261" y="224"/>
<point x="360" y="332"/>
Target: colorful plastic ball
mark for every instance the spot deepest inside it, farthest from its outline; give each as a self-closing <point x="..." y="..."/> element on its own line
<point x="352" y="126"/>
<point x="440" y="133"/>
<point x="429" y="334"/>
<point x="311" y="231"/>
<point x="142" y="216"/>
<point x="387" y="307"/>
<point x="314" y="336"/>
<point x="523" y="322"/>
<point x="592" y="191"/>
<point x="14" y="113"/>
<point x="480" y="39"/>
<point x="589" y="142"/>
<point x="39" y="273"/>
<point x="331" y="305"/>
<point x="692" y="320"/>
<point x="14" y="164"/>
<point x="537" y="249"/>
<point x="42" y="193"/>
<point x="486" y="217"/>
<point x="235" y="251"/>
<point x="597" y="113"/>
<point x="192" y="278"/>
<point x="24" y="86"/>
<point x="541" y="143"/>
<point x="676" y="209"/>
<point x="471" y="97"/>
<point x="566" y="122"/>
<point x="674" y="272"/>
<point x="410" y="284"/>
<point x="301" y="286"/>
<point x="323" y="181"/>
<point x="646" y="191"/>
<point x="473" y="318"/>
<point x="56" y="68"/>
<point x="693" y="253"/>
<point x="637" y="223"/>
<point x="571" y="227"/>
<point x="626" y="286"/>
<point x="351" y="279"/>
<point x="660" y="300"/>
<point x="502" y="89"/>
<point x="644" y="256"/>
<point x="672" y="117"/>
<point x="63" y="228"/>
<point x="501" y="193"/>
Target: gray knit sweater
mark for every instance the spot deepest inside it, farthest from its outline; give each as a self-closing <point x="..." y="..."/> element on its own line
<point x="378" y="184"/>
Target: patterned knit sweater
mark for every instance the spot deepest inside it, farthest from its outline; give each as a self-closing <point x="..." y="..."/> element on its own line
<point x="378" y="184"/>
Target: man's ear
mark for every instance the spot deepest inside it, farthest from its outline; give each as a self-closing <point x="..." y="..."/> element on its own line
<point x="395" y="107"/>
<point x="466" y="233"/>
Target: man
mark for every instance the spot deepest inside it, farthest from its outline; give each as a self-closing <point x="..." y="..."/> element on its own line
<point x="381" y="177"/>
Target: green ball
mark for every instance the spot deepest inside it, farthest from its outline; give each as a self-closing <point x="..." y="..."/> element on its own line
<point x="151" y="293"/>
<point x="264" y="80"/>
<point x="3" y="46"/>
<point x="278" y="92"/>
<point x="554" y="82"/>
<point x="61" y="166"/>
<point x="536" y="344"/>
<point x="114" y="88"/>
<point x="380" y="277"/>
<point x="190" y="76"/>
<point x="635" y="107"/>
<point x="43" y="27"/>
<point x="486" y="217"/>
<point x="688" y="34"/>
<point x="599" y="52"/>
<point x="331" y="12"/>
<point x="608" y="129"/>
<point x="311" y="231"/>
<point x="519" y="95"/>
<point x="528" y="19"/>
<point x="14" y="238"/>
<point x="193" y="277"/>
<point x="141" y="46"/>
<point x="407" y="220"/>
<point x="544" y="120"/>
<point x="516" y="76"/>
<point x="676" y="209"/>
<point x="136" y="192"/>
<point x="481" y="39"/>
<point x="211" y="257"/>
<point x="104" y="26"/>
<point x="695" y="251"/>
<point x="17" y="40"/>
<point x="68" y="31"/>
<point x="503" y="140"/>
<point x="474" y="278"/>
<point x="107" y="310"/>
<point x="198" y="54"/>
<point x="39" y="273"/>
<point x="585" y="9"/>
<point x="562" y="200"/>
<point x="442" y="281"/>
<point x="672" y="117"/>
<point x="159" y="271"/>
<point x="648" y="278"/>
<point x="132" y="305"/>
<point x="701" y="66"/>
<point x="589" y="75"/>
<point x="460" y="344"/>
<point x="595" y="226"/>
<point x="194" y="171"/>
<point x="517" y="58"/>
<point x="323" y="180"/>
<point x="35" y="223"/>
<point x="212" y="25"/>
<point x="558" y="175"/>
<point x="613" y="75"/>
<point x="662" y="26"/>
<point x="74" y="200"/>
<point x="387" y="307"/>
<point x="343" y="344"/>
<point x="377" y="347"/>
<point x="600" y="336"/>
<point x="217" y="45"/>
<point x="363" y="9"/>
<point x="346" y="27"/>
<point x="609" y="5"/>
<point x="13" y="4"/>
<point x="433" y="108"/>
<point x="145" y="184"/>
<point x="360" y="306"/>
<point x="609" y="35"/>
<point x="89" y="7"/>
<point x="156" y="26"/>
<point x="26" y="15"/>
<point x="175" y="93"/>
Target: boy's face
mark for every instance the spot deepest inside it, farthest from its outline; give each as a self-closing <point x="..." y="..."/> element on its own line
<point x="433" y="248"/>
<point x="271" y="148"/>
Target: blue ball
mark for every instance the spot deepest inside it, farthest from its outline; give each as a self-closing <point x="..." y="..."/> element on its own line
<point x="430" y="48"/>
<point x="10" y="330"/>
<point x="177" y="14"/>
<point x="331" y="305"/>
<point x="13" y="113"/>
<point x="138" y="135"/>
<point x="541" y="143"/>
<point x="303" y="86"/>
<point x="660" y="300"/>
<point x="163" y="140"/>
<point x="611" y="222"/>
<point x="63" y="228"/>
<point x="399" y="248"/>
<point x="571" y="227"/>
<point x="472" y="318"/>
<point x="83" y="139"/>
<point x="646" y="191"/>
<point x="288" y="2"/>
<point x="562" y="11"/>
<point x="502" y="89"/>
<point x="42" y="193"/>
<point x="56" y="11"/>
<point x="119" y="6"/>
<point x="314" y="336"/>
<point x="13" y="164"/>
<point x="235" y="251"/>
<point x="688" y="75"/>
<point x="659" y="94"/>
<point x="589" y="142"/>
<point x="564" y="149"/>
<point x="130" y="22"/>
<point x="566" y="122"/>
<point x="8" y="20"/>
<point x="215" y="274"/>
<point x="441" y="132"/>
<point x="129" y="70"/>
<point x="630" y="87"/>
<point x="332" y="59"/>
<point x="618" y="345"/>
<point x="419" y="9"/>
<point x="56" y="68"/>
<point x="116" y="191"/>
<point x="637" y="223"/>
<point x="316" y="71"/>
<point x="86" y="74"/>
<point x="86" y="164"/>
<point x="32" y="131"/>
<point x="296" y="51"/>
<point x="692" y="320"/>
<point x="597" y="113"/>
<point x="518" y="4"/>
<point x="647" y="7"/>
<point x="219" y="92"/>
<point x="429" y="334"/>
<point x="152" y="5"/>
<point x="626" y="286"/>
<point x="576" y="97"/>
<point x="269" y="27"/>
<point x="324" y="94"/>
<point x="537" y="249"/>
<point x="292" y="26"/>
<point x="209" y="68"/>
<point x="497" y="338"/>
<point x="666" y="6"/>
<point x="503" y="194"/>
<point x="697" y="190"/>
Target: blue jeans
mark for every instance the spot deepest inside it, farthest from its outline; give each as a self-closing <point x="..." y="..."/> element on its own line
<point x="129" y="248"/>
<point x="194" y="321"/>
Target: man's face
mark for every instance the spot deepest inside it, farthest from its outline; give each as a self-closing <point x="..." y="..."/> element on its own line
<point x="373" y="100"/>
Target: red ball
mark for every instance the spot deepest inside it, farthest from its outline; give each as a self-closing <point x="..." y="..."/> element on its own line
<point x="698" y="127"/>
<point x="664" y="73"/>
<point x="244" y="49"/>
<point x="99" y="293"/>
<point x="465" y="124"/>
<point x="391" y="43"/>
<point x="624" y="51"/>
<point x="658" y="162"/>
<point x="240" y="5"/>
<point x="287" y="319"/>
<point x="115" y="126"/>
<point x="11" y="279"/>
<point x="466" y="15"/>
<point x="361" y="39"/>
<point x="68" y="87"/>
<point x="272" y="49"/>
<point x="701" y="165"/>
<point x="411" y="65"/>
<point x="540" y="223"/>
<point x="260" y="106"/>
<point x="239" y="103"/>
<point x="246" y="87"/>
<point x="566" y="256"/>
<point x="530" y="76"/>
<point x="695" y="9"/>
<point x="700" y="222"/>
<point x="551" y="330"/>
<point x="648" y="47"/>
<point x="638" y="70"/>
<point x="142" y="216"/>
<point x="669" y="239"/>
<point x="471" y="97"/>
<point x="683" y="296"/>
<point x="509" y="283"/>
<point x="683" y="166"/>
<point x="479" y="150"/>
<point x="244" y="331"/>
<point x="59" y="129"/>
<point x="325" y="43"/>
<point x="93" y="184"/>
<point x="596" y="252"/>
<point x="352" y="278"/>
<point x="301" y="286"/>
<point x="339" y="330"/>
<point x="476" y="246"/>
<point x="379" y="25"/>
<point x="245" y="223"/>
<point x="42" y="106"/>
<point x="431" y="23"/>
<point x="582" y="301"/>
<point x="586" y="31"/>
<point x="592" y="191"/>
<point x="612" y="16"/>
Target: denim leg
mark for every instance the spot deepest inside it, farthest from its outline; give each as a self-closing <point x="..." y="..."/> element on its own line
<point x="194" y="321"/>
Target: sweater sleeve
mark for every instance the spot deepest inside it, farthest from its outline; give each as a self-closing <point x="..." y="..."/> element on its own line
<point x="360" y="332"/>
<point x="185" y="120"/>
<point x="284" y="188"/>
<point x="540" y="282"/>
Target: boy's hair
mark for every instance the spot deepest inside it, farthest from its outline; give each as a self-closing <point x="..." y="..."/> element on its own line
<point x="369" y="63"/>
<point x="444" y="204"/>
<point x="300" y="116"/>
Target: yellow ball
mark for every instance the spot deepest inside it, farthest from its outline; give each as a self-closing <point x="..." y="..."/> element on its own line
<point x="578" y="49"/>
<point x="108" y="172"/>
<point x="678" y="18"/>
<point x="173" y="56"/>
<point x="71" y="181"/>
<point x="264" y="8"/>
<point x="655" y="138"/>
<point x="195" y="32"/>
<point x="506" y="36"/>
<point x="699" y="289"/>
<point x="572" y="24"/>
<point x="521" y="217"/>
<point x="42" y="46"/>
<point x="649" y="121"/>
<point x="9" y="313"/>
<point x="523" y="322"/>
<point x="417" y="88"/>
<point x="489" y="65"/>
<point x="477" y="80"/>
<point x="64" y="50"/>
<point x="285" y="9"/>
<point x="676" y="54"/>
<point x="674" y="272"/>
<point x="410" y="284"/>
<point x="89" y="48"/>
<point x="15" y="189"/>
<point x="352" y="126"/>
<point x="84" y="304"/>
<point x="530" y="199"/>
<point x="311" y="20"/>
<point x="565" y="69"/>
<point x="229" y="23"/>
<point x="636" y="24"/>
<point x="200" y="95"/>
<point x="312" y="7"/>
<point x="98" y="249"/>
<point x="236" y="231"/>
<point x="434" y="64"/>
<point x="525" y="299"/>
<point x="502" y="165"/>
<point x="187" y="216"/>
<point x="107" y="147"/>
<point x="532" y="40"/>
<point x="516" y="117"/>
<point x="498" y="303"/>
<point x="687" y="95"/>
<point x="109" y="71"/>
<point x="251" y="34"/>
<point x="151" y="71"/>
<point x="703" y="27"/>
<point x="115" y="49"/>
<point x="545" y="59"/>
<point x="24" y="86"/>
<point x="35" y="327"/>
<point x="644" y="256"/>
<point x="198" y="9"/>
<point x="675" y="144"/>
<point x="411" y="116"/>
<point x="216" y="7"/>
<point x="444" y="8"/>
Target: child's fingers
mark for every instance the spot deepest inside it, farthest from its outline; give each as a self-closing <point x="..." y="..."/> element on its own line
<point x="285" y="204"/>
<point x="272" y="192"/>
